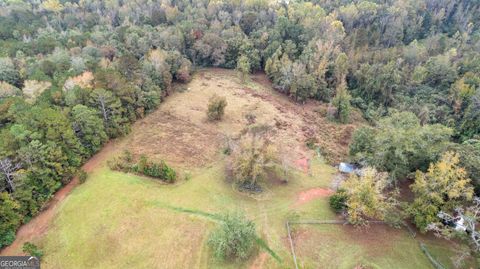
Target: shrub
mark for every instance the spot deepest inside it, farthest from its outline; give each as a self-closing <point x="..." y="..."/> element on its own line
<point x="122" y="163"/>
<point x="187" y="176"/>
<point x="145" y="167"/>
<point x="168" y="174"/>
<point x="142" y="163"/>
<point x="160" y="170"/>
<point x="216" y="107"/>
<point x="157" y="170"/>
<point x="311" y="142"/>
<point x="338" y="201"/>
<point x="243" y="67"/>
<point x="227" y="150"/>
<point x="234" y="239"/>
<point x="32" y="250"/>
<point x="251" y="118"/>
<point x="82" y="176"/>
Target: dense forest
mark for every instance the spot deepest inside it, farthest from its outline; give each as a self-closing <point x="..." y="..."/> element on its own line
<point x="75" y="73"/>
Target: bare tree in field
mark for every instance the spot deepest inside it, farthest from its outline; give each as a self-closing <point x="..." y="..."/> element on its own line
<point x="7" y="170"/>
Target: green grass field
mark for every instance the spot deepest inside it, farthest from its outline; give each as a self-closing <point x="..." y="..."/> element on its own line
<point x="118" y="220"/>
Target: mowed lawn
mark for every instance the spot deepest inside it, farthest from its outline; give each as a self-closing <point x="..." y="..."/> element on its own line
<point x="117" y="220"/>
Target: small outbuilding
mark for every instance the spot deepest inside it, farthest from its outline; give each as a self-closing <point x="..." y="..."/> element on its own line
<point x="346" y="168"/>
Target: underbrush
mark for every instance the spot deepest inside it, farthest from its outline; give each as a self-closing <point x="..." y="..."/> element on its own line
<point x="32" y="250"/>
<point x="125" y="163"/>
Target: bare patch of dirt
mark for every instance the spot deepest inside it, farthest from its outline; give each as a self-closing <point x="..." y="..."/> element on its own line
<point x="312" y="194"/>
<point x="40" y="223"/>
<point x="304" y="164"/>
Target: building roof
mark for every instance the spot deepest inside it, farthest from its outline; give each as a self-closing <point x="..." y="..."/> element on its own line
<point x="346" y="168"/>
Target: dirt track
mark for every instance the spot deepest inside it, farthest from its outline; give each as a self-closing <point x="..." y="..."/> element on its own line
<point x="40" y="223"/>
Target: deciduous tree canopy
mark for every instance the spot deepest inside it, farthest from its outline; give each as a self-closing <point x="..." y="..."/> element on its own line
<point x="443" y="188"/>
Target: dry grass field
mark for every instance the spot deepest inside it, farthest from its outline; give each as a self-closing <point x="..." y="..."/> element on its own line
<point x="180" y="132"/>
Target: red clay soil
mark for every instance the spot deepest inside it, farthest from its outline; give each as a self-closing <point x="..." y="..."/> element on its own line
<point x="40" y="223"/>
<point x="303" y="164"/>
<point x="312" y="194"/>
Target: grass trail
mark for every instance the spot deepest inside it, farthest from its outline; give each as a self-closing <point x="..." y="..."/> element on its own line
<point x="218" y="218"/>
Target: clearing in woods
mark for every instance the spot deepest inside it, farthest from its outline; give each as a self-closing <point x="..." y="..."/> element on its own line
<point x="118" y="220"/>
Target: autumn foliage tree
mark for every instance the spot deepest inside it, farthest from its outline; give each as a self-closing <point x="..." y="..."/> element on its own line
<point x="251" y="162"/>
<point x="369" y="196"/>
<point x="443" y="187"/>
